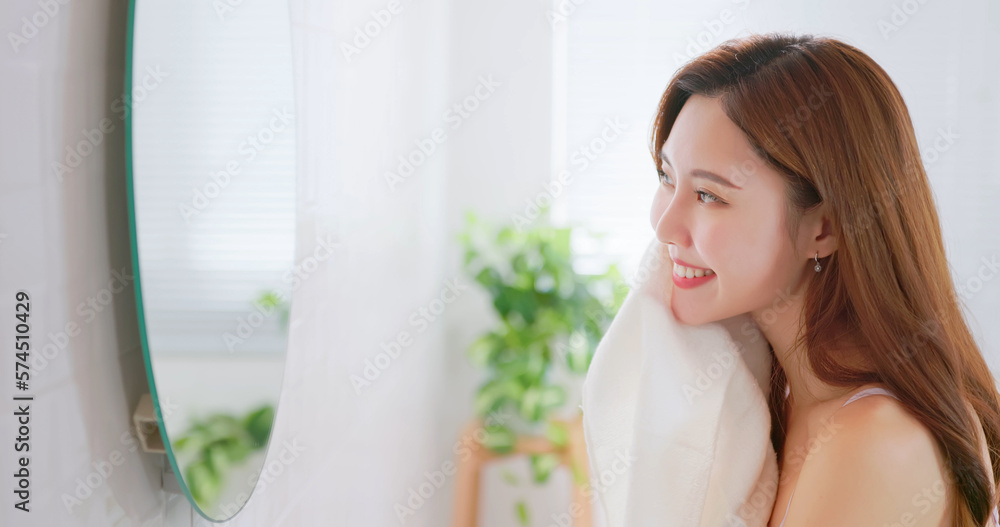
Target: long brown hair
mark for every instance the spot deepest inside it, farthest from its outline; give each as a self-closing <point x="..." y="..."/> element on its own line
<point x="826" y="117"/>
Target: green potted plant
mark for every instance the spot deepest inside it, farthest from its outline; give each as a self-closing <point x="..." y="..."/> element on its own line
<point x="547" y="313"/>
<point x="218" y="443"/>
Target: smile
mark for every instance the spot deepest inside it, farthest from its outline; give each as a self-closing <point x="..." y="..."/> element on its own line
<point x="688" y="277"/>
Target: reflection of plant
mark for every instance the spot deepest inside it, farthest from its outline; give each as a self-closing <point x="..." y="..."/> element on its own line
<point x="544" y="306"/>
<point x="220" y="442"/>
<point x="270" y="300"/>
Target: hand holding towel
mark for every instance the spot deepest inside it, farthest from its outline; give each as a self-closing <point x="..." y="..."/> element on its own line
<point x="676" y="417"/>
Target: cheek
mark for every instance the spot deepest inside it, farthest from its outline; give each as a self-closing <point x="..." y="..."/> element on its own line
<point x="752" y="253"/>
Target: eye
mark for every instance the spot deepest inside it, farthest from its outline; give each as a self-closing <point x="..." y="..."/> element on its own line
<point x="663" y="177"/>
<point x="703" y="195"/>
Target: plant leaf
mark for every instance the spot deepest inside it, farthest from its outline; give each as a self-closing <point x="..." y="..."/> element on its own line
<point x="522" y="513"/>
<point x="557" y="433"/>
<point x="542" y="466"/>
<point x="499" y="439"/>
<point x="509" y="477"/>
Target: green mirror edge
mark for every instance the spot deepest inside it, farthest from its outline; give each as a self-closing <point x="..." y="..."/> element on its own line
<point x="140" y="314"/>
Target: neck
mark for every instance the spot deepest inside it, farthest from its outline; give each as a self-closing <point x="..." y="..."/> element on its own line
<point x="806" y="390"/>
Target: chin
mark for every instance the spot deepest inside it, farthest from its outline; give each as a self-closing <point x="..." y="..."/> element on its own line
<point x="685" y="317"/>
<point x="696" y="317"/>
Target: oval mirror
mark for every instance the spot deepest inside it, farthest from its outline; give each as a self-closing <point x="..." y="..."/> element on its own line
<point x="211" y="189"/>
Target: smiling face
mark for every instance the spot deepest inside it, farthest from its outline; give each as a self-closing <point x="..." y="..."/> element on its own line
<point x="719" y="206"/>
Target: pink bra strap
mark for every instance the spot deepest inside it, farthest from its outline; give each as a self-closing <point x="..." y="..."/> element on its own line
<point x="869" y="391"/>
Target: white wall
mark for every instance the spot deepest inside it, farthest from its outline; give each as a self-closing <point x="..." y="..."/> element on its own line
<point x="64" y="242"/>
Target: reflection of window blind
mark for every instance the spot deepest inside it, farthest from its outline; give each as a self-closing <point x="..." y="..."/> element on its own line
<point x="209" y="246"/>
<point x="613" y="59"/>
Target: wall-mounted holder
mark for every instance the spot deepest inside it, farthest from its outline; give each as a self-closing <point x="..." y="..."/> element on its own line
<point x="146" y="426"/>
<point x="150" y="439"/>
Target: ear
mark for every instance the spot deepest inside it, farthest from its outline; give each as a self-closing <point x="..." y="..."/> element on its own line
<point x="816" y="233"/>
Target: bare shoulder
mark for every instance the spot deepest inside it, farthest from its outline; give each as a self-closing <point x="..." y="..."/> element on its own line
<point x="876" y="464"/>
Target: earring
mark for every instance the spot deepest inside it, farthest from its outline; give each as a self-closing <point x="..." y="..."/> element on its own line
<point x="818" y="267"/>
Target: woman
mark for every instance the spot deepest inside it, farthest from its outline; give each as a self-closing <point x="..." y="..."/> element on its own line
<point x="791" y="188"/>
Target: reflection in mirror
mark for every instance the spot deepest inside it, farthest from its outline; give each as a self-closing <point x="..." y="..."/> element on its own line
<point x="212" y="205"/>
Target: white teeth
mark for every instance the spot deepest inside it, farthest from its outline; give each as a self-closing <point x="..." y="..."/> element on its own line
<point x="689" y="272"/>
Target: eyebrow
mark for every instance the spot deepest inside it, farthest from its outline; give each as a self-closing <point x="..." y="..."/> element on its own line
<point x="705" y="174"/>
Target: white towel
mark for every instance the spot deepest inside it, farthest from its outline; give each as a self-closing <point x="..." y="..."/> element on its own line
<point x="675" y="416"/>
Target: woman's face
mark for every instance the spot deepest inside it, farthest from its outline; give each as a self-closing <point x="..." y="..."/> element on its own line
<point x="720" y="207"/>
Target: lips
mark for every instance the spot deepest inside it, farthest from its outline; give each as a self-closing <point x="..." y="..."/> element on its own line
<point x="687" y="276"/>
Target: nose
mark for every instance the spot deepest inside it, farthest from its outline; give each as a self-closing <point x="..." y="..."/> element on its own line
<point x="670" y="221"/>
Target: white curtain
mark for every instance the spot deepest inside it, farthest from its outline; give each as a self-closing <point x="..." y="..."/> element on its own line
<point x="377" y="81"/>
<point x="358" y="109"/>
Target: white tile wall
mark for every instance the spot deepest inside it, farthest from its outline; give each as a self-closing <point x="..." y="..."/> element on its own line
<point x="62" y="240"/>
